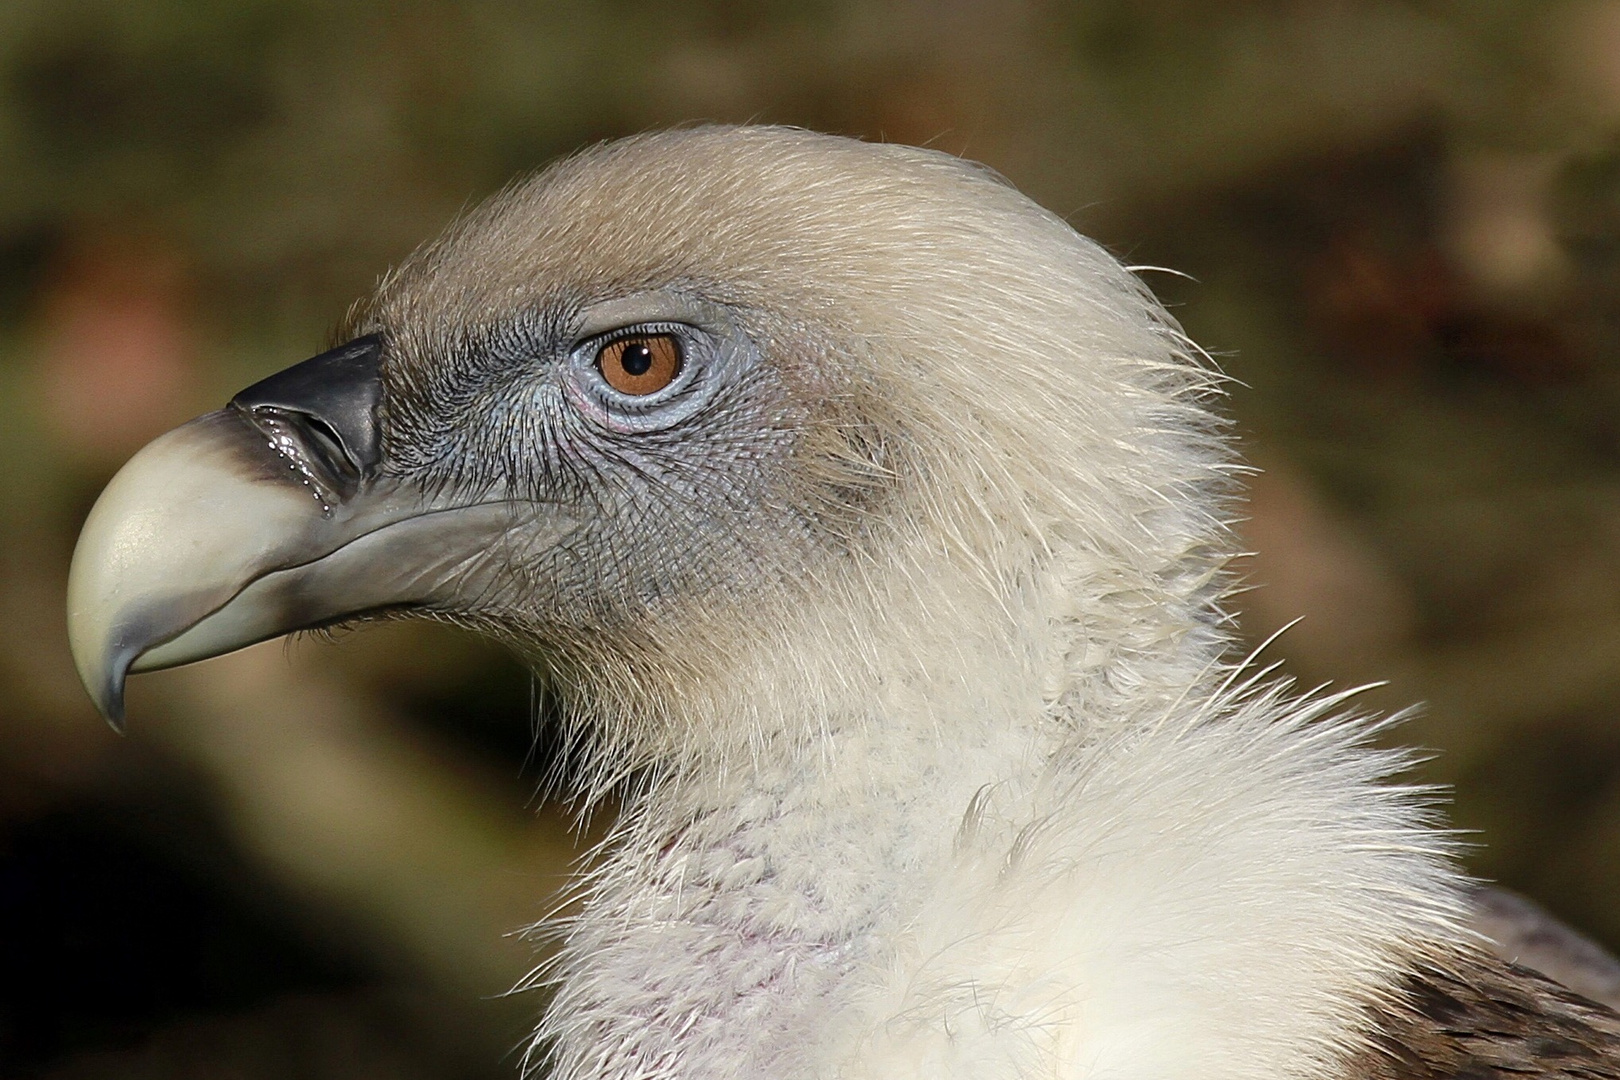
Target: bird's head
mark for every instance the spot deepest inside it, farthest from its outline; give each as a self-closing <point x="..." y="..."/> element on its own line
<point x="702" y="421"/>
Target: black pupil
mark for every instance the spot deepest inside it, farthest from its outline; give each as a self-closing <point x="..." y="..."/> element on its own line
<point x="637" y="358"/>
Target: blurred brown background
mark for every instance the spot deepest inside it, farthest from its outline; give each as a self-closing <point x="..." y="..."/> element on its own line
<point x="1401" y="222"/>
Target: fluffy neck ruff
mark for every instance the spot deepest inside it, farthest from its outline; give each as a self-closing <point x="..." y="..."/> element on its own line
<point x="1024" y="857"/>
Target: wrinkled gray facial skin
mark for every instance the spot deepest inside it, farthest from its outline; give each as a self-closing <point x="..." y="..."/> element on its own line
<point x="676" y="495"/>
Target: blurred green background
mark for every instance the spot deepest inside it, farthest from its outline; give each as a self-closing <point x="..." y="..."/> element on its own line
<point x="1401" y="228"/>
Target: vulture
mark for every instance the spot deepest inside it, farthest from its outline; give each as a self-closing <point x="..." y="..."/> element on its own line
<point x="872" y="530"/>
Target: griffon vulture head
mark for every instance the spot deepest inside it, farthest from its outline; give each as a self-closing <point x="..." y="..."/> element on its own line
<point x="874" y="519"/>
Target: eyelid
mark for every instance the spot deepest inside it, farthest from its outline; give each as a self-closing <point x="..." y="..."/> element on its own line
<point x="647" y="308"/>
<point x="597" y="342"/>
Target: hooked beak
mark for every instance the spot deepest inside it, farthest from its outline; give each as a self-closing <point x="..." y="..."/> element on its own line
<point x="268" y="516"/>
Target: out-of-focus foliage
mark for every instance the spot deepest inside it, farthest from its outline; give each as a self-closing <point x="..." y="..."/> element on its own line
<point x="1402" y="224"/>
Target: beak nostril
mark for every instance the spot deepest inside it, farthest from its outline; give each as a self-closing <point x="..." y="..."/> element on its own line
<point x="311" y="448"/>
<point x="327" y="437"/>
<point x="326" y="407"/>
<point x="323" y="445"/>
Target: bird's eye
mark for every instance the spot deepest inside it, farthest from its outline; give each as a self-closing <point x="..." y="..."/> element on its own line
<point x="640" y="365"/>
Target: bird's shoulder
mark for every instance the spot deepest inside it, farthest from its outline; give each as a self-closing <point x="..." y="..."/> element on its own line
<point x="1475" y="1015"/>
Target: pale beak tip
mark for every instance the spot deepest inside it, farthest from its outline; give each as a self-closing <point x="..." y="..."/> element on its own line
<point x="110" y="698"/>
<point x="104" y="678"/>
<point x="113" y="710"/>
